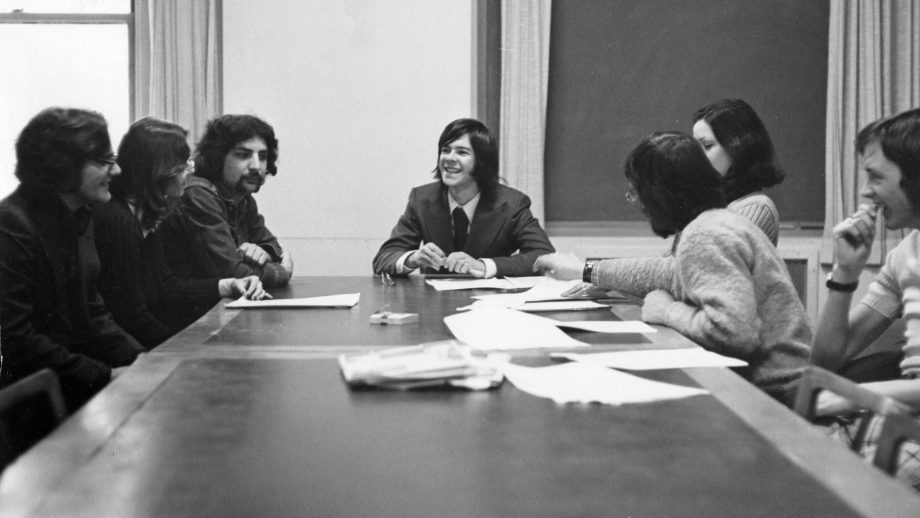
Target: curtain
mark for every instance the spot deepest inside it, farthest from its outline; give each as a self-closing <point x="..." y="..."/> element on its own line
<point x="873" y="72"/>
<point x="177" y="61"/>
<point x="525" y="78"/>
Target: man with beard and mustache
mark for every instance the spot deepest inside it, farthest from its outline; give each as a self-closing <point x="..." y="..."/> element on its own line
<point x="216" y="230"/>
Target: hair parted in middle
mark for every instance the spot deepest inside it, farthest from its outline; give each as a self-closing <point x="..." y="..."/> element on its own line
<point x="151" y="153"/>
<point x="673" y="179"/>
<point x="485" y="172"/>
<point x="222" y="134"/>
<point x="742" y="134"/>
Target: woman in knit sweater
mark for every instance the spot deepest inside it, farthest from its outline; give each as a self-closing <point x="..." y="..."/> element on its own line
<point x="730" y="291"/>
<point x="739" y="148"/>
<point x="145" y="298"/>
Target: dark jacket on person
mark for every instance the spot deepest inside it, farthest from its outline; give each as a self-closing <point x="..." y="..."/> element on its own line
<point x="202" y="236"/>
<point x="50" y="312"/>
<point x="146" y="298"/>
<point x="501" y="226"/>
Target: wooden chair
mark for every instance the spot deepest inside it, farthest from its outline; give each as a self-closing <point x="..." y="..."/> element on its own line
<point x="896" y="430"/>
<point x="816" y="379"/>
<point x="29" y="409"/>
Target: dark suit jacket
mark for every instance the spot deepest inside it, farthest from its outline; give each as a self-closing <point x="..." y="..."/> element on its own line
<point x="501" y="225"/>
<point x="50" y="312"/>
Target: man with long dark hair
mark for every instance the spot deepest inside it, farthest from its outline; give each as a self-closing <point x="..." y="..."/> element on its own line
<point x="217" y="230"/>
<point x="51" y="315"/>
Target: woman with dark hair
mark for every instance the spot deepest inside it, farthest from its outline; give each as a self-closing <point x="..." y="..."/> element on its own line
<point x="144" y="295"/>
<point x="731" y="292"/>
<point x="466" y="222"/>
<point x="740" y="149"/>
<point x="50" y="313"/>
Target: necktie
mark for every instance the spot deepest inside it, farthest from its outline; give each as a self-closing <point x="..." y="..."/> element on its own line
<point x="461" y="232"/>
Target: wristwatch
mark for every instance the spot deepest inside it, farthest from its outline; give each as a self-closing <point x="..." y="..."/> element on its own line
<point x="586" y="274"/>
<point x="849" y="287"/>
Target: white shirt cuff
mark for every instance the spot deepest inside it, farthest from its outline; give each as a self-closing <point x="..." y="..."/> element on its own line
<point x="491" y="269"/>
<point x="401" y="267"/>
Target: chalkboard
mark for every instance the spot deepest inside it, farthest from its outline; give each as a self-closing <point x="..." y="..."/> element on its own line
<point x="620" y="69"/>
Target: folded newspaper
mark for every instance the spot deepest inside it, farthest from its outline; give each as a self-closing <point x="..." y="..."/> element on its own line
<point x="439" y="364"/>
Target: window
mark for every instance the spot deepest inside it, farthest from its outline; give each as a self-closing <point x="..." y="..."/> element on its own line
<point x="62" y="53"/>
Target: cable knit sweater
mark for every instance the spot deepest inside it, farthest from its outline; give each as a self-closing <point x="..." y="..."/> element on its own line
<point x="734" y="297"/>
<point x="637" y="276"/>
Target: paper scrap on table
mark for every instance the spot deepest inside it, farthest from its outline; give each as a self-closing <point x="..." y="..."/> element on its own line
<point x="578" y="382"/>
<point x="505" y="283"/>
<point x="346" y="300"/>
<point x="502" y="329"/>
<point x="607" y="326"/>
<point x="656" y="359"/>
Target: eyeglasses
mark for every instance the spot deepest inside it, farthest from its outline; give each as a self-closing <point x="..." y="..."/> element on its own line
<point x="109" y="161"/>
<point x="632" y="197"/>
<point x="185" y="169"/>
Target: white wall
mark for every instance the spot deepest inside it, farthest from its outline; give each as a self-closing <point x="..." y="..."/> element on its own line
<point x="358" y="92"/>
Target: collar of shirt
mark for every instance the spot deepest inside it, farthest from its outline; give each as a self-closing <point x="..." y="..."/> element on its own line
<point x="469" y="208"/>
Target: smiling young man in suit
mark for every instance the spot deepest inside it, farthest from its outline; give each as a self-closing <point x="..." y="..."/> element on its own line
<point x="466" y="222"/>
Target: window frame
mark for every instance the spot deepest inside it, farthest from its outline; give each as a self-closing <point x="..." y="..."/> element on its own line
<point x="127" y="19"/>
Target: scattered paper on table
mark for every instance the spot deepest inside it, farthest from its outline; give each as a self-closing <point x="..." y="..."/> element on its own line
<point x="578" y="382"/>
<point x="545" y="289"/>
<point x="504" y="283"/>
<point x="501" y="329"/>
<point x="524" y="282"/>
<point x="469" y="284"/>
<point x="656" y="359"/>
<point x="607" y="326"/>
<point x="560" y="305"/>
<point x="346" y="300"/>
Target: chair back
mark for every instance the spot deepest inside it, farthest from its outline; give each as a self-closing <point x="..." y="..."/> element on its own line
<point x="29" y="409"/>
<point x="815" y="379"/>
<point x="896" y="430"/>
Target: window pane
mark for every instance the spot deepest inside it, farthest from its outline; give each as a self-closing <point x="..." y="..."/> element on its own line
<point x="66" y="6"/>
<point x="82" y="66"/>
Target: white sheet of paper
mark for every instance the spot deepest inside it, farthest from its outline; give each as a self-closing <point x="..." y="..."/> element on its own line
<point x="578" y="382"/>
<point x="559" y="305"/>
<point x="524" y="282"/>
<point x="545" y="289"/>
<point x="346" y="300"/>
<point x="469" y="284"/>
<point x="607" y="326"/>
<point x="502" y="329"/>
<point x="656" y="359"/>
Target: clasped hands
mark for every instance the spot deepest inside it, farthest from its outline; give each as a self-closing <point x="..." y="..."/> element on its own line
<point x="431" y="256"/>
<point x="255" y="254"/>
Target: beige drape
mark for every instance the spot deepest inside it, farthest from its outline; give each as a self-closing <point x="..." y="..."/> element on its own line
<point x="873" y="71"/>
<point x="525" y="78"/>
<point x="177" y="61"/>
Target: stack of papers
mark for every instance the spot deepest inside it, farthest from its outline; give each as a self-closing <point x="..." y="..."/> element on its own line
<point x="331" y="301"/>
<point x="439" y="364"/>
<point x="578" y="382"/>
<point x="496" y="328"/>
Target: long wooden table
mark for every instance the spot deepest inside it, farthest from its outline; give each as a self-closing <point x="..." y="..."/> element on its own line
<point x="245" y="414"/>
